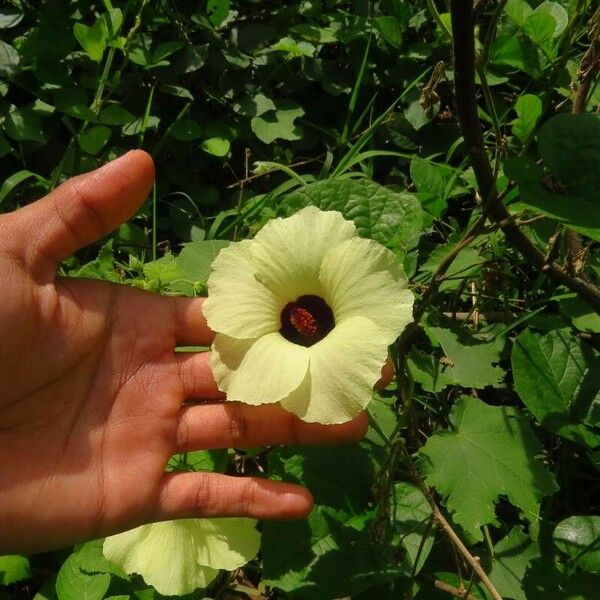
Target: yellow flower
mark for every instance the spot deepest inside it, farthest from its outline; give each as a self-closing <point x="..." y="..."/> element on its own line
<point x="304" y="315"/>
<point x="177" y="557"/>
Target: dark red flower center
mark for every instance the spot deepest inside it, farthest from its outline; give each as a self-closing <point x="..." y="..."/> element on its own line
<point x="307" y="320"/>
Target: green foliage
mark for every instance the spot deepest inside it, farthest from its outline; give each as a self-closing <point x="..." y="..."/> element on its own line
<point x="557" y="377"/>
<point x="490" y="451"/>
<point x="253" y="110"/>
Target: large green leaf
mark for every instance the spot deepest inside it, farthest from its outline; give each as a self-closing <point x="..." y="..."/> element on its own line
<point x="331" y="553"/>
<point x="557" y="376"/>
<point x="579" y="539"/>
<point x="391" y="218"/>
<point x="512" y="555"/>
<point x="489" y="451"/>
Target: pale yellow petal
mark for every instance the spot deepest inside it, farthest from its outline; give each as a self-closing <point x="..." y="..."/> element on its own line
<point x="258" y="371"/>
<point x="344" y="367"/>
<point x="362" y="278"/>
<point x="237" y="304"/>
<point x="287" y="253"/>
<point x="164" y="554"/>
<point x="233" y="542"/>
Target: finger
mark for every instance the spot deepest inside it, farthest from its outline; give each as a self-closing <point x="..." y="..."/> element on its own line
<point x="190" y="324"/>
<point x="237" y="425"/>
<point x="85" y="209"/>
<point x="190" y="495"/>
<point x="197" y="378"/>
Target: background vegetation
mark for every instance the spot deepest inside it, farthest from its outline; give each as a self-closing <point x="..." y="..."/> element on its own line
<point x="476" y="163"/>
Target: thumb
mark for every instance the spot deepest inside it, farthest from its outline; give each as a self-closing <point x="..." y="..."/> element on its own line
<point x="83" y="209"/>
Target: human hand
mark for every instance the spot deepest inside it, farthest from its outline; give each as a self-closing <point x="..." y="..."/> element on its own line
<point x="92" y="391"/>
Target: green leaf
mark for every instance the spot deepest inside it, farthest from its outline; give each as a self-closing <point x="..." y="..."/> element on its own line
<point x="254" y="106"/>
<point x="13" y="567"/>
<point x="579" y="539"/>
<point x="557" y="376"/>
<point x="432" y="178"/>
<point x="529" y="109"/>
<point x="412" y="521"/>
<point x="465" y="266"/>
<point x="490" y="452"/>
<point x="518" y="11"/>
<point x="543" y="581"/>
<point x="115" y="114"/>
<point x="73" y="101"/>
<point x="579" y="212"/>
<point x="102" y="267"/>
<point x="162" y="272"/>
<point x="570" y="147"/>
<point x="278" y="124"/>
<point x="73" y="584"/>
<point x="391" y="218"/>
<point x="558" y="12"/>
<point x="15" y="180"/>
<point x="539" y="27"/>
<point x="217" y="11"/>
<point x="581" y="314"/>
<point x="196" y="258"/>
<point x="5" y="148"/>
<point x="186" y="130"/>
<point x="92" y="140"/>
<point x="24" y="124"/>
<point x="390" y="30"/>
<point x="92" y="39"/>
<point x="331" y="553"/>
<point x="10" y="16"/>
<point x="90" y="560"/>
<point x="165" y="50"/>
<point x="469" y="361"/>
<point x="512" y="555"/>
<point x="217" y="146"/>
<point x="9" y="60"/>
<point x="432" y="373"/>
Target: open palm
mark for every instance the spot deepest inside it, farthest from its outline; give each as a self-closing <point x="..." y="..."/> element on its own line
<point x="92" y="391"/>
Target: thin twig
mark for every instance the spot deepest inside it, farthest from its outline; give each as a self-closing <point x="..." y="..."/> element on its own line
<point x="449" y="589"/>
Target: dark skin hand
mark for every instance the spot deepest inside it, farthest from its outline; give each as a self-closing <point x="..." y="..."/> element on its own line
<point x="92" y="392"/>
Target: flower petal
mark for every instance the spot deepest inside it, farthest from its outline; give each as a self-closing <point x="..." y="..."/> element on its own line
<point x="362" y="278"/>
<point x="344" y="367"/>
<point x="258" y="371"/>
<point x="164" y="554"/>
<point x="231" y="543"/>
<point x="287" y="253"/>
<point x="237" y="304"/>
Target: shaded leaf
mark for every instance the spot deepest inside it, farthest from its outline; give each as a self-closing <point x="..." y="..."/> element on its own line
<point x="579" y="539"/>
<point x="558" y="378"/>
<point x="512" y="555"/>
